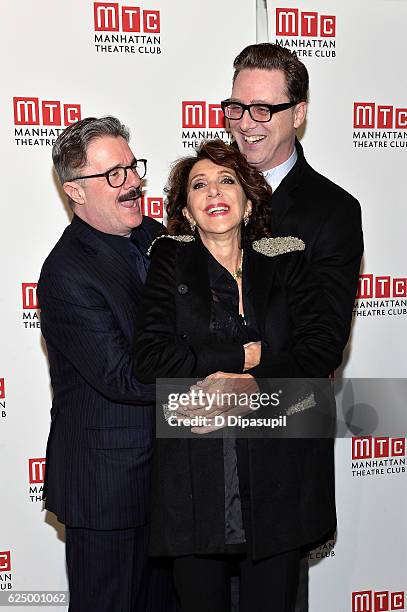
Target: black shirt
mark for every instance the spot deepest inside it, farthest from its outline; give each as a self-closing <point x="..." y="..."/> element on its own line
<point x="228" y="325"/>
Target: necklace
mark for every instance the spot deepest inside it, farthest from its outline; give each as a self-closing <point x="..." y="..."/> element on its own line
<point x="239" y="271"/>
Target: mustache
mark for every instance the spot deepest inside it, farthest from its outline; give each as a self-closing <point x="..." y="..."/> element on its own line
<point x="133" y="194"/>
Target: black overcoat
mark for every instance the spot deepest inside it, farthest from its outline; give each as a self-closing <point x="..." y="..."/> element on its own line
<point x="328" y="219"/>
<point x="291" y="481"/>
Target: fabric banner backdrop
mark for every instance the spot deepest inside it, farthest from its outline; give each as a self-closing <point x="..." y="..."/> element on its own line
<point x="162" y="67"/>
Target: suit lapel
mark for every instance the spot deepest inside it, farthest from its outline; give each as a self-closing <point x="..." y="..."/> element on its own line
<point x="261" y="271"/>
<point x="282" y="199"/>
<point x="109" y="263"/>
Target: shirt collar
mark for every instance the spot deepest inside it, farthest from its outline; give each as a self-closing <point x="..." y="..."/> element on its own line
<point x="274" y="176"/>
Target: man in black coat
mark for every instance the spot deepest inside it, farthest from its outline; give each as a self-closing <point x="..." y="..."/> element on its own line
<point x="102" y="419"/>
<point x="267" y="105"/>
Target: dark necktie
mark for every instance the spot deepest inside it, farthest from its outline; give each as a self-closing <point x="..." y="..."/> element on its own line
<point x="139" y="259"/>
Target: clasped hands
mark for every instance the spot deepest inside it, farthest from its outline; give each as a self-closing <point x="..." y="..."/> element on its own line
<point x="219" y="385"/>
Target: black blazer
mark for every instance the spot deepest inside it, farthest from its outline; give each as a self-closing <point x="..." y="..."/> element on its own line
<point x="292" y="481"/>
<point x="102" y="427"/>
<point x="328" y="219"/>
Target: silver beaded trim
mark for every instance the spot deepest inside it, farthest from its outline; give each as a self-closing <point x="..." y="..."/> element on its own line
<point x="278" y="246"/>
<point x="305" y="404"/>
<point x="180" y="238"/>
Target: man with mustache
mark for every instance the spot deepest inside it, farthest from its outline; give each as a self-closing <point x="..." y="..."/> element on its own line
<point x="268" y="104"/>
<point x="100" y="444"/>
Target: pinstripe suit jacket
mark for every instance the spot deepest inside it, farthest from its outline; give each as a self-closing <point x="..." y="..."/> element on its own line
<point x="100" y="444"/>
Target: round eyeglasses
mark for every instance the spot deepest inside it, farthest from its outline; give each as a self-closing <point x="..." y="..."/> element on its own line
<point x="116" y="177"/>
<point x="258" y="112"/>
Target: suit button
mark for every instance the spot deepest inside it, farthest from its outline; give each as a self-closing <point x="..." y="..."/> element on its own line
<point x="182" y="289"/>
<point x="184" y="336"/>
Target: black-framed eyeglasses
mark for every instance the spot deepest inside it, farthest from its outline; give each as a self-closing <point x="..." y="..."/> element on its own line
<point x="116" y="177"/>
<point x="258" y="112"/>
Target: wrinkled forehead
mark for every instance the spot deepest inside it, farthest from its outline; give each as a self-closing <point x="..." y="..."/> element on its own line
<point x="106" y="152"/>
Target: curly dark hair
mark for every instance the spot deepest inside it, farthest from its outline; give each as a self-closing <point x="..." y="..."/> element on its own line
<point x="251" y="180"/>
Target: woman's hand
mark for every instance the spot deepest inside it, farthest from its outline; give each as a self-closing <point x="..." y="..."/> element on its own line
<point x="252" y="355"/>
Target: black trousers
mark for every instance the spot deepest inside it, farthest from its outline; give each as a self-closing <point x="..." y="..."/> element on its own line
<point x="109" y="571"/>
<point x="269" y="585"/>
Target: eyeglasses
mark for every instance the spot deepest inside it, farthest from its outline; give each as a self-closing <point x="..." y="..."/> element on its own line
<point x="118" y="176"/>
<point x="258" y="112"/>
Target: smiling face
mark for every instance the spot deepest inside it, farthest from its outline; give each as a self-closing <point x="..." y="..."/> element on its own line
<point x="216" y="201"/>
<point x="111" y="210"/>
<point x="265" y="145"/>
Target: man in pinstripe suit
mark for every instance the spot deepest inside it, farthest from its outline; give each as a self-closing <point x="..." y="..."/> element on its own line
<point x="102" y="419"/>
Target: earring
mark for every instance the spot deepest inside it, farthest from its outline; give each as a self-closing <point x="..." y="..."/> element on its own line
<point x="192" y="225"/>
<point x="246" y="220"/>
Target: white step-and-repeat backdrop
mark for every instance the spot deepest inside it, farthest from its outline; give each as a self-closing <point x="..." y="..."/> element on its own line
<point x="162" y="67"/>
<point x="356" y="134"/>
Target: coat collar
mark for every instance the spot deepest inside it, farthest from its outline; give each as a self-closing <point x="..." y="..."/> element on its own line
<point x="282" y="198"/>
<point x="93" y="246"/>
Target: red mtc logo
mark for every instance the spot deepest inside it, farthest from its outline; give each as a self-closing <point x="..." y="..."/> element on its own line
<point x="381" y="287"/>
<point x="29" y="292"/>
<point x="109" y="18"/>
<point x="377" y="601"/>
<point x="2" y="389"/>
<point x="30" y="111"/>
<point x="370" y="115"/>
<point x="152" y="207"/>
<point x="200" y="115"/>
<point x="292" y="22"/>
<point x="36" y="470"/>
<point x="5" y="561"/>
<point x="378" y="448"/>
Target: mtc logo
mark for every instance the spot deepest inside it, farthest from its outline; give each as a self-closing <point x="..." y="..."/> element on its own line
<point x="377" y="601"/>
<point x="36" y="470"/>
<point x="29" y="292"/>
<point x="370" y="286"/>
<point x="201" y="115"/>
<point x="378" y="448"/>
<point x="109" y="18"/>
<point x="2" y="389"/>
<point x="370" y="115"/>
<point x="152" y="207"/>
<point x="32" y="111"/>
<point x="292" y="22"/>
<point x="5" y="561"/>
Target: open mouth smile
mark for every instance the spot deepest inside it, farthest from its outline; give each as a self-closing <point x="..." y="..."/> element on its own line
<point x="253" y="139"/>
<point x="219" y="209"/>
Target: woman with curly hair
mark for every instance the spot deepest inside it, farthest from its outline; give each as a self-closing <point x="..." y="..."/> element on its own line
<point x="225" y="299"/>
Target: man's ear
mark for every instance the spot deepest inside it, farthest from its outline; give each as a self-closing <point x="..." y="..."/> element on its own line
<point x="300" y="112"/>
<point x="74" y="191"/>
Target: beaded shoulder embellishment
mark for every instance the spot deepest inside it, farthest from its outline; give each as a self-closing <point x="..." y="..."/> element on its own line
<point x="278" y="246"/>
<point x="180" y="238"/>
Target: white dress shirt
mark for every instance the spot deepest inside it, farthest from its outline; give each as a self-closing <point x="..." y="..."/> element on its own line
<point x="276" y="175"/>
